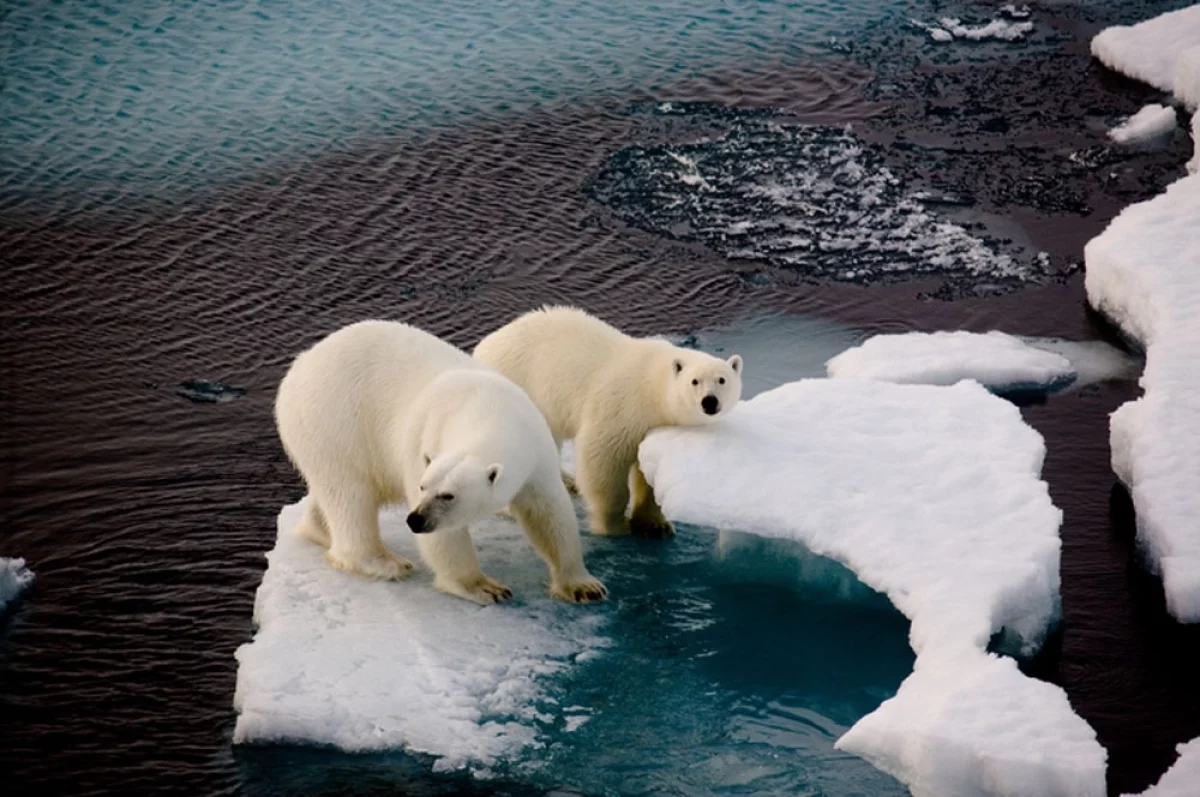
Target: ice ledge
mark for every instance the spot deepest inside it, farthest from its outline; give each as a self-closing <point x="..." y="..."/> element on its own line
<point x="933" y="496"/>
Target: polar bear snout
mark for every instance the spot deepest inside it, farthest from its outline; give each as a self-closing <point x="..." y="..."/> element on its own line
<point x="419" y="523"/>
<point x="710" y="404"/>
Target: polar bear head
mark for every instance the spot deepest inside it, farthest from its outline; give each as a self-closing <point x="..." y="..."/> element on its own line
<point x="454" y="491"/>
<point x="703" y="387"/>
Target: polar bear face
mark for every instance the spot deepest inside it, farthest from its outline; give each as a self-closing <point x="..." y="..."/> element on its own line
<point x="703" y="388"/>
<point x="454" y="491"/>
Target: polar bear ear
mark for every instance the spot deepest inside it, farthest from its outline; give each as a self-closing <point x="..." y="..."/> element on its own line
<point x="735" y="362"/>
<point x="493" y="472"/>
<point x="427" y="459"/>
<point x="678" y="366"/>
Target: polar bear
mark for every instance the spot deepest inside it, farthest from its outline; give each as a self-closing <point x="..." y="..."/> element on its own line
<point x="607" y="390"/>
<point x="381" y="412"/>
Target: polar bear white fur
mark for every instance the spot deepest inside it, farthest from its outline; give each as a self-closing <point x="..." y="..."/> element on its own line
<point x="381" y="412"/>
<point x="607" y="390"/>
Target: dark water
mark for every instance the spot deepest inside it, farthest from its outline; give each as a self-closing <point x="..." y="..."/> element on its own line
<point x="127" y="273"/>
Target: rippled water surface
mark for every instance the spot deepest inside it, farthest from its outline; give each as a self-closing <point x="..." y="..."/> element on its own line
<point x="190" y="193"/>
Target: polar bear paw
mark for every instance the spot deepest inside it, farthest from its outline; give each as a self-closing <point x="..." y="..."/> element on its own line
<point x="386" y="566"/>
<point x="482" y="590"/>
<point x="581" y="590"/>
<point x="654" y="527"/>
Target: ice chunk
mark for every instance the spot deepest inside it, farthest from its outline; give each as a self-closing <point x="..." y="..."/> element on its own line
<point x="15" y="577"/>
<point x="1193" y="165"/>
<point x="952" y="28"/>
<point x="996" y="29"/>
<point x="995" y="359"/>
<point x="1151" y="122"/>
<point x="1183" y="778"/>
<point x="931" y="495"/>
<point x="1150" y="51"/>
<point x="1187" y="77"/>
<point x="1143" y="272"/>
<point x="368" y="665"/>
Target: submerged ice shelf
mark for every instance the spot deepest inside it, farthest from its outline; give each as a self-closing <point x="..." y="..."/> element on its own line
<point x="15" y="578"/>
<point x="1143" y="272"/>
<point x="931" y="495"/>
<point x="995" y="359"/>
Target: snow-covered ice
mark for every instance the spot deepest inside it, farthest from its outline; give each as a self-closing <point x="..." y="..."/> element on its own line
<point x="15" y="577"/>
<point x="948" y="29"/>
<point x="995" y="359"/>
<point x="1153" y="52"/>
<point x="1183" y="778"/>
<point x="1151" y="122"/>
<point x="1143" y="272"/>
<point x="931" y="495"/>
<point x="367" y="665"/>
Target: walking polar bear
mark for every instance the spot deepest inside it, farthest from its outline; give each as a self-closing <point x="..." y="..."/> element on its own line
<point x="381" y="412"/>
<point x="607" y="390"/>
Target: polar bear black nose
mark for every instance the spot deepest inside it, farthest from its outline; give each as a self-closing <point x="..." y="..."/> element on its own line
<point x="710" y="405"/>
<point x="416" y="521"/>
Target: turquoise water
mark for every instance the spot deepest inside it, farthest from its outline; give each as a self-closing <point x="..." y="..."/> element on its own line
<point x="151" y="97"/>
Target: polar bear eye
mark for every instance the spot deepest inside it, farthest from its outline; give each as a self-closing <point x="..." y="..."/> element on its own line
<point x="721" y="380"/>
<point x="445" y="496"/>
<point x="695" y="381"/>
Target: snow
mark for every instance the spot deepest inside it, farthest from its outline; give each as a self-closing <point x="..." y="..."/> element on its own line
<point x="995" y="359"/>
<point x="931" y="495"/>
<point x="1183" y="778"/>
<point x="1154" y="52"/>
<point x="370" y="665"/>
<point x="1151" y="122"/>
<point x="1143" y="272"/>
<point x="15" y="578"/>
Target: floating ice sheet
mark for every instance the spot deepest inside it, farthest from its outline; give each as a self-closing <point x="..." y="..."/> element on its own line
<point x="996" y="360"/>
<point x="1143" y="272"/>
<point x="367" y="665"/>
<point x="1151" y="122"/>
<point x="931" y="495"/>
<point x="15" y="577"/>
<point x="1154" y="52"/>
<point x="1183" y="778"/>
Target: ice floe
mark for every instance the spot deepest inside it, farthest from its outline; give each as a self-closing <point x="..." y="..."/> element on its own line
<point x="1163" y="51"/>
<point x="1183" y="778"/>
<point x="368" y="665"/>
<point x="1143" y="272"/>
<point x="995" y="359"/>
<point x="931" y="495"/>
<point x="1150" y="123"/>
<point x="15" y="578"/>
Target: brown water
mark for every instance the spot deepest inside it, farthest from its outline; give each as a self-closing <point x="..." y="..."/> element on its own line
<point x="146" y="516"/>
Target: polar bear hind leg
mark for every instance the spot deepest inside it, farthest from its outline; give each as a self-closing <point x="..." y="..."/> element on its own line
<point x="312" y="526"/>
<point x="647" y="518"/>
<point x="352" y="518"/>
<point x="450" y="554"/>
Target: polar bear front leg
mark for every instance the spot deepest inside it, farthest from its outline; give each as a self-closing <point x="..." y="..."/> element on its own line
<point x="352" y="518"/>
<point x="450" y="554"/>
<point x="548" y="520"/>
<point x="602" y="473"/>
<point x="647" y="518"/>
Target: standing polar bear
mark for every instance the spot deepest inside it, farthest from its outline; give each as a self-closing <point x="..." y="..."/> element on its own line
<point x="381" y="412"/>
<point x="607" y="390"/>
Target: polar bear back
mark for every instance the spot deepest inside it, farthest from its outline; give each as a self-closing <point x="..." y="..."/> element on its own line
<point x="562" y="357"/>
<point x="339" y="400"/>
